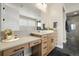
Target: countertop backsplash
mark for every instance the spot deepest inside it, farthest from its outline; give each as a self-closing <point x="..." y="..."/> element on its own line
<point x="25" y="31"/>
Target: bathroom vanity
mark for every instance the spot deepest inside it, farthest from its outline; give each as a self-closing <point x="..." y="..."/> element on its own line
<point x="41" y="44"/>
<point x="16" y="48"/>
<point x="48" y="41"/>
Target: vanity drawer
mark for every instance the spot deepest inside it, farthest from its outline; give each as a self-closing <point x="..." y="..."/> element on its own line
<point x="44" y="50"/>
<point x="44" y="44"/>
<point x="44" y="40"/>
<point x="35" y="43"/>
<point x="14" y="50"/>
<point x="44" y="36"/>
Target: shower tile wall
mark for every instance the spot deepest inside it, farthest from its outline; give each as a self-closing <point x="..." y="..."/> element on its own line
<point x="72" y="45"/>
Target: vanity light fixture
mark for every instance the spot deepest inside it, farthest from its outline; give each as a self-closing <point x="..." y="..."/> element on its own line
<point x="41" y="6"/>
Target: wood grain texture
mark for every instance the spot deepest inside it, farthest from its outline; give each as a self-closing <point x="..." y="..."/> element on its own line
<point x="1" y="53"/>
<point x="48" y="43"/>
<point x="14" y="50"/>
<point x="35" y="43"/>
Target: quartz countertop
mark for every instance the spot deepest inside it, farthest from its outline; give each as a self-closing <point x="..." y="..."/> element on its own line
<point x="22" y="40"/>
<point x="42" y="32"/>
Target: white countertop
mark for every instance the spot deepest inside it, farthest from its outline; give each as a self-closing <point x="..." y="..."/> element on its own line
<point x="43" y="32"/>
<point x="22" y="40"/>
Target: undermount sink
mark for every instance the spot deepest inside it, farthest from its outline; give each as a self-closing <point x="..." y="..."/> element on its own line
<point x="11" y="40"/>
<point x="45" y="31"/>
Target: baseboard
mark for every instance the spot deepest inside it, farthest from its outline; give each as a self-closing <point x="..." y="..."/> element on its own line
<point x="59" y="46"/>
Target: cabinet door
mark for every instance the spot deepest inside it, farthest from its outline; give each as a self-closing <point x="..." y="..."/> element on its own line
<point x="49" y="44"/>
<point x="0" y="53"/>
<point x="54" y="38"/>
<point x="15" y="50"/>
<point x="10" y="18"/>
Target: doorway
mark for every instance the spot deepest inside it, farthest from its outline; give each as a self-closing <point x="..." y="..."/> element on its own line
<point x="72" y="32"/>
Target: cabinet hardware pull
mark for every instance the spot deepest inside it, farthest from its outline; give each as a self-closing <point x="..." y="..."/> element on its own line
<point x="45" y="47"/>
<point x="18" y="49"/>
<point x="36" y="42"/>
<point x="45" y="42"/>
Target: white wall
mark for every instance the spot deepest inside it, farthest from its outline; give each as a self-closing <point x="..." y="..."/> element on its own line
<point x="55" y="13"/>
<point x="0" y="21"/>
<point x="11" y="16"/>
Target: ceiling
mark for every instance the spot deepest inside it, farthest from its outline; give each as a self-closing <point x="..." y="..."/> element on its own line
<point x="69" y="7"/>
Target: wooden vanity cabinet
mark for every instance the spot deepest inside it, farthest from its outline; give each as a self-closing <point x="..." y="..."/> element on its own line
<point x="48" y="43"/>
<point x="44" y="45"/>
<point x="54" y="37"/>
<point x="36" y="50"/>
<point x="35" y="45"/>
<point x="14" y="50"/>
<point x="40" y="49"/>
<point x="1" y="53"/>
